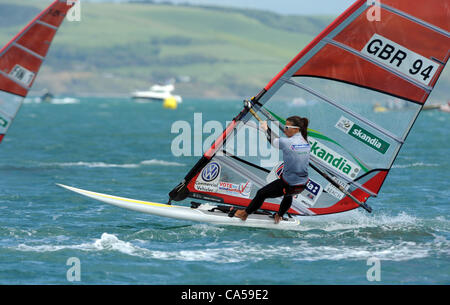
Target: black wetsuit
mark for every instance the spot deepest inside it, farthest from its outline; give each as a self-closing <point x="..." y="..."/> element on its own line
<point x="296" y="159"/>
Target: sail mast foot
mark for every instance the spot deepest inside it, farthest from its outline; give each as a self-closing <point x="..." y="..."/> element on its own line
<point x="179" y="193"/>
<point x="365" y="207"/>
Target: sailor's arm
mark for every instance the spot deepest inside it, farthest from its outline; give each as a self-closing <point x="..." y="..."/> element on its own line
<point x="273" y="139"/>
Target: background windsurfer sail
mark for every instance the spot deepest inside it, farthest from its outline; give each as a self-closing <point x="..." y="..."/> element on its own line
<point x="22" y="57"/>
<point x="350" y="66"/>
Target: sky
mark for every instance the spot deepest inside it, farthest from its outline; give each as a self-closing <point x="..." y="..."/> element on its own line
<point x="292" y="7"/>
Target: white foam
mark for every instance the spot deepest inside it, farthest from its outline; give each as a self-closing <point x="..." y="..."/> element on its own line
<point x="65" y="101"/>
<point x="244" y="250"/>
<point x="56" y="101"/>
<point x="111" y="165"/>
<point x="106" y="242"/>
<point x="94" y="164"/>
<point x="109" y="242"/>
<point x="161" y="162"/>
<point x="416" y="164"/>
<point x="356" y="219"/>
<point x="382" y="236"/>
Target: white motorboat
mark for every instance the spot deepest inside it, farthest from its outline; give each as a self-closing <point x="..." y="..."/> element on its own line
<point x="157" y="93"/>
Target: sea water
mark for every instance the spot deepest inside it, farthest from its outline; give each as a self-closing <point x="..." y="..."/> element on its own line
<point x="123" y="148"/>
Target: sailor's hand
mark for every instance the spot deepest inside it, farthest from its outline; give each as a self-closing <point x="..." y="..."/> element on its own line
<point x="263" y="125"/>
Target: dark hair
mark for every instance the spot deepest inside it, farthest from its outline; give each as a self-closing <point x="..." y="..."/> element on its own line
<point x="301" y="123"/>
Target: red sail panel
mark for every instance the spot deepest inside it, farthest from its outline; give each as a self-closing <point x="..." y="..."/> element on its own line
<point x="335" y="63"/>
<point x="411" y="35"/>
<point x="16" y="56"/>
<point x="56" y="13"/>
<point x="347" y="204"/>
<point x="409" y="48"/>
<point x="347" y="63"/>
<point x="22" y="57"/>
<point x="38" y="39"/>
<point x="351" y="10"/>
<point x="435" y="12"/>
<point x="9" y="85"/>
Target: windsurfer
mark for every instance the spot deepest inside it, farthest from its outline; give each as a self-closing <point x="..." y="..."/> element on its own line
<point x="296" y="150"/>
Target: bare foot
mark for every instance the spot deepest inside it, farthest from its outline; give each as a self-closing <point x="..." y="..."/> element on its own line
<point x="277" y="218"/>
<point x="242" y="214"/>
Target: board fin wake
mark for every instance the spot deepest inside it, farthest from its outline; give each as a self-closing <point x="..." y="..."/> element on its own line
<point x="200" y="213"/>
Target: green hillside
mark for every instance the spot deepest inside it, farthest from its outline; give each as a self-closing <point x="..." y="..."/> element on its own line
<point x="116" y="48"/>
<point x="211" y="51"/>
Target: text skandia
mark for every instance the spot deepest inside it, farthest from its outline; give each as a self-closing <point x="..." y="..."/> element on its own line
<point x="372" y="141"/>
<point x="333" y="159"/>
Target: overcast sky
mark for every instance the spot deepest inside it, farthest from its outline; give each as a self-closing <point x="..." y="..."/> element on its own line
<point x="294" y="7"/>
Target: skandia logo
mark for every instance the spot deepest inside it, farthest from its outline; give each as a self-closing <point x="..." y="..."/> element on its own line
<point x="366" y="138"/>
<point x="331" y="158"/>
<point x="3" y="122"/>
<point x="362" y="135"/>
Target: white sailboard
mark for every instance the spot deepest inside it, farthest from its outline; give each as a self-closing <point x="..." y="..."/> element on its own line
<point x="353" y="64"/>
<point x="202" y="213"/>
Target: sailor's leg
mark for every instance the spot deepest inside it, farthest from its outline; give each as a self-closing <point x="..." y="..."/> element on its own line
<point x="272" y="190"/>
<point x="285" y="205"/>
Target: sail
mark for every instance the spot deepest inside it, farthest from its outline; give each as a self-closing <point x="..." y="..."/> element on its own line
<point x="355" y="64"/>
<point x="22" y="57"/>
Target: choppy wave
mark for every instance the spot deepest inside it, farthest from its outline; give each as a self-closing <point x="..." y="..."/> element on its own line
<point x="359" y="237"/>
<point x="241" y="251"/>
<point x="356" y="219"/>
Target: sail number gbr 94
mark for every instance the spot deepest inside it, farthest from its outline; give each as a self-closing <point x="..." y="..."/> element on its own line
<point x="401" y="59"/>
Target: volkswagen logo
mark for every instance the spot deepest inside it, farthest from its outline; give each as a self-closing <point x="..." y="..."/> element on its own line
<point x="210" y="172"/>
